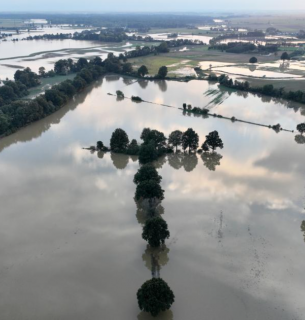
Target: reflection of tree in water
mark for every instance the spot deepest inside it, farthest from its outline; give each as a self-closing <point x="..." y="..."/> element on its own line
<point x="243" y="94"/>
<point x="120" y="161"/>
<point x="252" y="67"/>
<point x="284" y="66"/>
<point x="211" y="160"/>
<point x="155" y="259"/>
<point x="100" y="154"/>
<point x="189" y="162"/>
<point x="128" y="81"/>
<point x="143" y="83"/>
<point x="36" y="129"/>
<point x="303" y="228"/>
<point x="300" y="139"/>
<point x="175" y="160"/>
<point x="146" y="211"/>
<point x="112" y="77"/>
<point x="134" y="158"/>
<point x="166" y="315"/>
<point x="160" y="162"/>
<point x="162" y="85"/>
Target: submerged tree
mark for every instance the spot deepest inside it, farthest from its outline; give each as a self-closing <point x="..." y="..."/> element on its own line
<point x="213" y="140"/>
<point x="99" y="146"/>
<point x="149" y="189"/>
<point x="253" y="60"/>
<point x="190" y="140"/>
<point x="301" y="128"/>
<point x="175" y="139"/>
<point x="147" y="172"/>
<point x="119" y="141"/>
<point x="133" y="148"/>
<point x="285" y="56"/>
<point x="155" y="296"/>
<point x="147" y="153"/>
<point x="155" y="231"/>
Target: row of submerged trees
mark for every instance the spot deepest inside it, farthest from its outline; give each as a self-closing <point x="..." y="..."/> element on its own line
<point x="268" y="89"/>
<point x="155" y="144"/>
<point x="155" y="295"/>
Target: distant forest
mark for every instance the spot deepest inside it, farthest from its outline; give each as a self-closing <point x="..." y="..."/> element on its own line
<point x="130" y="20"/>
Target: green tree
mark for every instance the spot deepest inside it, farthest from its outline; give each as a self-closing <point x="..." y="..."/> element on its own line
<point x="253" y="60"/>
<point x="301" y="128"/>
<point x="155" y="231"/>
<point x="155" y="296"/>
<point x="4" y="123"/>
<point x="285" y="56"/>
<point x="158" y="138"/>
<point x="133" y="148"/>
<point x="147" y="172"/>
<point x="213" y="140"/>
<point x="120" y="94"/>
<point x="150" y="190"/>
<point x="119" y="141"/>
<point x="142" y="71"/>
<point x="190" y="140"/>
<point x="127" y="67"/>
<point x="147" y="153"/>
<point x="162" y="73"/>
<point x="99" y="146"/>
<point x="175" y="138"/>
<point x="42" y="71"/>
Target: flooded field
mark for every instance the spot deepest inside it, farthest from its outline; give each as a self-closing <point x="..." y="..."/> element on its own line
<point x="70" y="237"/>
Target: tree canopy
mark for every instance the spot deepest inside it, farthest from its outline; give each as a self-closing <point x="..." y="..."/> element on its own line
<point x="149" y="189"/>
<point x="155" y="231"/>
<point x="213" y="140"/>
<point x="175" y="139"/>
<point x="142" y="71"/>
<point x="253" y="60"/>
<point x="190" y="140"/>
<point x="285" y="56"/>
<point x="147" y="172"/>
<point x="162" y="73"/>
<point x="119" y="140"/>
<point x="155" y="296"/>
<point x="301" y="128"/>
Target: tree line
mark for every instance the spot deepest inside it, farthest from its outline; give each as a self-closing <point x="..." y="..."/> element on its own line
<point x="268" y="89"/>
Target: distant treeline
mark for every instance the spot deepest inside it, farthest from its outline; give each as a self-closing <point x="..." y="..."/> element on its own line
<point x="268" y="89"/>
<point x="129" y="20"/>
<point x="243" y="47"/>
<point x="109" y="35"/>
<point x="235" y="35"/>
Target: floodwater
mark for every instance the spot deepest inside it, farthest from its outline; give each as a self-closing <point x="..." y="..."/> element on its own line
<point x="164" y="36"/>
<point x="70" y="239"/>
<point x="37" y="53"/>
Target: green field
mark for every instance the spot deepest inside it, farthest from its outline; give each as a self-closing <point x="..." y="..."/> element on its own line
<point x="47" y="83"/>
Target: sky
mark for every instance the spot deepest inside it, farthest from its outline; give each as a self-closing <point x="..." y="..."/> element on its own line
<point x="150" y="5"/>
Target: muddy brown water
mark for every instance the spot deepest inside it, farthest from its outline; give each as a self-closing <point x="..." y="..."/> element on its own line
<point x="70" y="235"/>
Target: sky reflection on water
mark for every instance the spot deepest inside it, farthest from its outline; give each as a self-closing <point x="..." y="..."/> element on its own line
<point x="70" y="239"/>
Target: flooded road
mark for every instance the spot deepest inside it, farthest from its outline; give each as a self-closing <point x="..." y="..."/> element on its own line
<point x="70" y="235"/>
